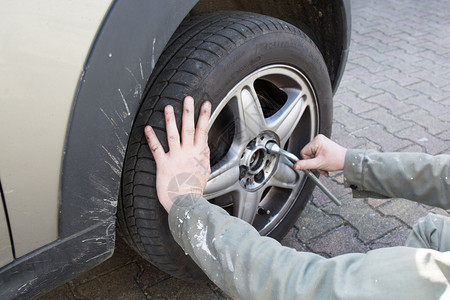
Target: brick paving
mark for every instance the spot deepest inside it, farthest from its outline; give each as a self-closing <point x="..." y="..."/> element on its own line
<point x="395" y="96"/>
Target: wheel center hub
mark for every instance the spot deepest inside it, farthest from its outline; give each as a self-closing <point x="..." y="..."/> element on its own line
<point x="256" y="165"/>
<point x="256" y="159"/>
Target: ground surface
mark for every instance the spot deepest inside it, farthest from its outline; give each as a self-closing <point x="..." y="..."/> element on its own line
<point x="395" y="96"/>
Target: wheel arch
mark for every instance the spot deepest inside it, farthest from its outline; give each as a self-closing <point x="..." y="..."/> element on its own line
<point x="108" y="96"/>
<point x="327" y="23"/>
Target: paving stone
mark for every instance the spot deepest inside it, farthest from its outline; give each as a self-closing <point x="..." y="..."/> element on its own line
<point x="365" y="76"/>
<point x="400" y="77"/>
<point x="387" y="141"/>
<point x="433" y="107"/>
<point x="335" y="187"/>
<point x="399" y="92"/>
<point x="407" y="37"/>
<point x="428" y="64"/>
<point x="362" y="91"/>
<point x="400" y="65"/>
<point x="106" y="287"/>
<point x="435" y="50"/>
<point x="445" y="135"/>
<point x="431" y="144"/>
<point x="180" y="290"/>
<point x="371" y="65"/>
<point x="343" y="239"/>
<point x="376" y="55"/>
<point x="446" y="91"/>
<point x="363" y="26"/>
<point x="319" y="199"/>
<point x="338" y="176"/>
<point x="291" y="240"/>
<point x="413" y="148"/>
<point x="439" y="211"/>
<point x="150" y="275"/>
<point x="437" y="80"/>
<point x="62" y="292"/>
<point x="350" y="67"/>
<point x="375" y="203"/>
<point x="425" y="119"/>
<point x="350" y="120"/>
<point x="427" y="89"/>
<point x="407" y="211"/>
<point x="402" y="55"/>
<point x="407" y="47"/>
<point x="416" y="34"/>
<point x="395" y="238"/>
<point x="315" y="222"/>
<point x="344" y="138"/>
<point x="388" y="101"/>
<point x="390" y="122"/>
<point x="370" y="224"/>
<point x="357" y="38"/>
<point x="343" y="94"/>
<point x="383" y="37"/>
<point x="445" y="118"/>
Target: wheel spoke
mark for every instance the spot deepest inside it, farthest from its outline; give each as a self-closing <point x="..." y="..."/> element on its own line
<point x="285" y="120"/>
<point x="246" y="204"/>
<point x="247" y="110"/>
<point x="285" y="176"/>
<point x="223" y="180"/>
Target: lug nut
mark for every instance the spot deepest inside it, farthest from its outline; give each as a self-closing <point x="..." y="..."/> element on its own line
<point x="259" y="177"/>
<point x="242" y="172"/>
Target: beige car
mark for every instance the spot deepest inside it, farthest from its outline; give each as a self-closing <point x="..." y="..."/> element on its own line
<point x="79" y="80"/>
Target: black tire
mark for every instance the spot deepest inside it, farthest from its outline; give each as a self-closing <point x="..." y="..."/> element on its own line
<point x="209" y="56"/>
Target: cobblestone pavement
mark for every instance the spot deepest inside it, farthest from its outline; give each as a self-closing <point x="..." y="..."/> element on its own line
<point x="395" y="96"/>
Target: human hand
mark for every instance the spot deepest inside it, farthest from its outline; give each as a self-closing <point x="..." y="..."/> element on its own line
<point x="185" y="168"/>
<point x="322" y="154"/>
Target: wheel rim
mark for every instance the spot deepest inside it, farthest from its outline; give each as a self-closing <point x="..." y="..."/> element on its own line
<point x="275" y="103"/>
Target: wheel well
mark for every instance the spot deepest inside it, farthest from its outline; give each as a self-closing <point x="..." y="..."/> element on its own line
<point x="325" y="22"/>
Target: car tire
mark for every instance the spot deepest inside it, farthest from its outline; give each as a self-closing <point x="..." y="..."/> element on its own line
<point x="267" y="81"/>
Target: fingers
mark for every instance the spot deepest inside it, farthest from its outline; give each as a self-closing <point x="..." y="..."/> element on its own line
<point x="309" y="151"/>
<point x="312" y="148"/>
<point x="309" y="164"/>
<point x="154" y="144"/>
<point x="189" y="133"/>
<point x="188" y="128"/>
<point x="173" y="137"/>
<point x="201" y="133"/>
<point x="322" y="154"/>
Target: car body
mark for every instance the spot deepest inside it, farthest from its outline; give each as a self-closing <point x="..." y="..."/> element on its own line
<point x="72" y="77"/>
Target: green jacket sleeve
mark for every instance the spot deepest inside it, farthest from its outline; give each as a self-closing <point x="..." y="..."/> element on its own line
<point x="415" y="176"/>
<point x="247" y="266"/>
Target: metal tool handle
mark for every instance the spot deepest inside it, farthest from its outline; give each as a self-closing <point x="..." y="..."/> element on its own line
<point x="274" y="148"/>
<point x="322" y="187"/>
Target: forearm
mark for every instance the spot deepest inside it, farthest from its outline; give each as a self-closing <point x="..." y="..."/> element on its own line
<point x="414" y="176"/>
<point x="227" y="249"/>
<point x="248" y="266"/>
